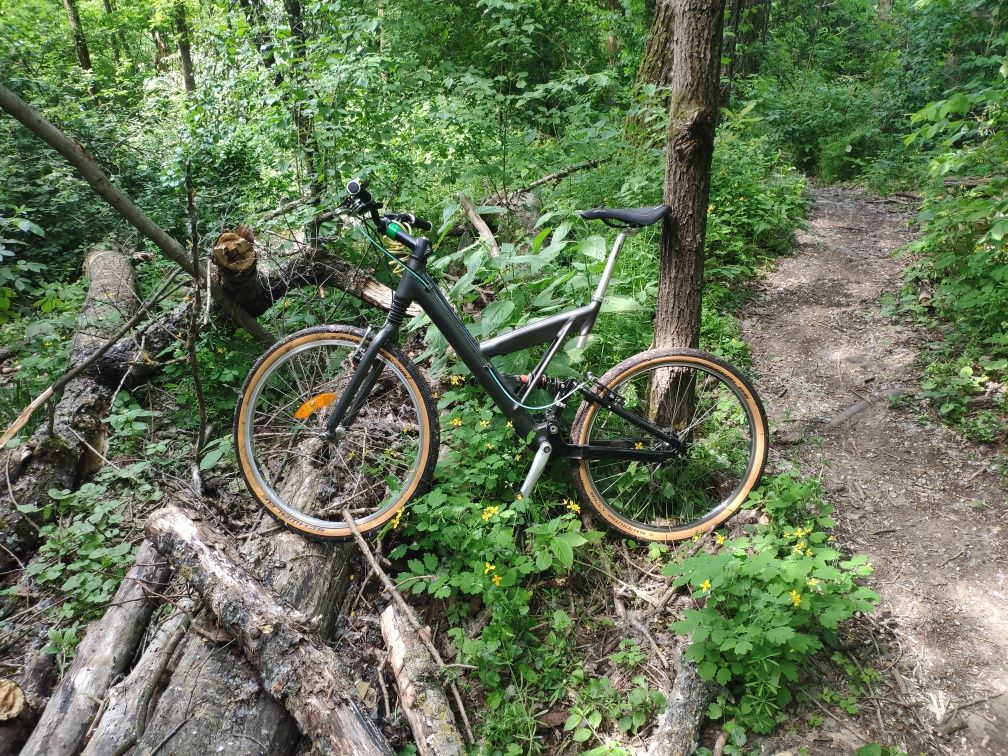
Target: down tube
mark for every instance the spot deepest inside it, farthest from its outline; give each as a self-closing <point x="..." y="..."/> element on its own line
<point x="447" y="321"/>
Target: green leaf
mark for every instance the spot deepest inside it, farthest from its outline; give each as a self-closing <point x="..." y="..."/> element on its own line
<point x="580" y="736"/>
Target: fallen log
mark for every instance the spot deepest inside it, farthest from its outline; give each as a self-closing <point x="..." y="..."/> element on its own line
<point x="421" y="696"/>
<point x="209" y="680"/>
<point x="105" y="653"/>
<point x="71" y="448"/>
<point x="678" y="730"/>
<point x="295" y="666"/>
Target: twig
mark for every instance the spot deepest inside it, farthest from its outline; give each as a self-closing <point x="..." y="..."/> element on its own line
<point x="68" y="376"/>
<point x="408" y="612"/>
<point x="951" y="559"/>
<point x="480" y="225"/>
<point x="191" y="340"/>
<point x="554" y="178"/>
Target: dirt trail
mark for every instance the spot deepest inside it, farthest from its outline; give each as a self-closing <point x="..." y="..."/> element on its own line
<point x="924" y="505"/>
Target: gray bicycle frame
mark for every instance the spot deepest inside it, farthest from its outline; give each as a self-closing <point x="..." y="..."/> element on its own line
<point x="417" y="286"/>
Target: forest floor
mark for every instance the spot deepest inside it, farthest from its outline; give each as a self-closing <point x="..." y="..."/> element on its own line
<point x="927" y="507"/>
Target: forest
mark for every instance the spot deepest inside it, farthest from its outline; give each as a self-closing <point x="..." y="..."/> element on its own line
<point x="192" y="194"/>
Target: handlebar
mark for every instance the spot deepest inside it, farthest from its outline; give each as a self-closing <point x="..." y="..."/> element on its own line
<point x="363" y="202"/>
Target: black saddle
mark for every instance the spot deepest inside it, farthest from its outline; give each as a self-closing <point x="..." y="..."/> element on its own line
<point x="631" y="216"/>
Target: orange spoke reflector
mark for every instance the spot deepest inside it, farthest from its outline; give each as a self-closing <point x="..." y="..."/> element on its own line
<point x="314" y="405"/>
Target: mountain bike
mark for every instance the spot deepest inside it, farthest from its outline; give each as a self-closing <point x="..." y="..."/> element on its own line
<point x="336" y="421"/>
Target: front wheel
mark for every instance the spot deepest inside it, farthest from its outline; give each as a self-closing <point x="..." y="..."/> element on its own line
<point x="308" y="478"/>
<point x="712" y="454"/>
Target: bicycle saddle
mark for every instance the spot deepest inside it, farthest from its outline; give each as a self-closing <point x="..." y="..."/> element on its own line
<point x="632" y="216"/>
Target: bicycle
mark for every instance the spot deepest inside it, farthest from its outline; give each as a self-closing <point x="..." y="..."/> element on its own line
<point x="336" y="421"/>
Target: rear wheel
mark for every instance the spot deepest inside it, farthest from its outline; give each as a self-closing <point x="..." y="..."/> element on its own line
<point x="715" y="419"/>
<point x="307" y="480"/>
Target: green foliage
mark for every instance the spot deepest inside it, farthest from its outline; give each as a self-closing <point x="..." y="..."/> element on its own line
<point x="600" y="704"/>
<point x="964" y="245"/>
<point x="771" y="599"/>
<point x="86" y="548"/>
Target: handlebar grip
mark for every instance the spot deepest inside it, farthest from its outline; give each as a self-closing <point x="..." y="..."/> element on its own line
<point x="415" y="222"/>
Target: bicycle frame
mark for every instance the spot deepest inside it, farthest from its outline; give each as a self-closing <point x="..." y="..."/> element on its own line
<point x="417" y="286"/>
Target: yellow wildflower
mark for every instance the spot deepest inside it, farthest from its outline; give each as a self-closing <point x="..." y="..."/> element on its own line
<point x="698" y="536"/>
<point x="488" y="568"/>
<point x="510" y="424"/>
<point x="573" y="506"/>
<point x="457" y="379"/>
<point x="808" y="552"/>
<point x="352" y="578"/>
<point x="489" y="512"/>
<point x="518" y="496"/>
<point x="485" y="423"/>
<point x="812" y="582"/>
<point x="795" y="598"/>
<point x="720" y="538"/>
<point x="396" y="519"/>
<point x="705" y="586"/>
<point x="496" y="579"/>
<point x="456" y="422"/>
<point x="638" y="445"/>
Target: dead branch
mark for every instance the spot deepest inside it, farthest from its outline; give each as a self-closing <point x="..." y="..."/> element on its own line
<point x="296" y="667"/>
<point x="104" y="654"/>
<point x="421" y="696"/>
<point x="554" y="178"/>
<point x="480" y="225"/>
<point x="79" y="158"/>
<point x="407" y="611"/>
<point x="678" y="729"/>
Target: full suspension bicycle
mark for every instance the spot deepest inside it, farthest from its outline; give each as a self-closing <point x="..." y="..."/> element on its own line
<point x="336" y="421"/>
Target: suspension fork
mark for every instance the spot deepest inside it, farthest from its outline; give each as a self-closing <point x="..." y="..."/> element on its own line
<point x="361" y="382"/>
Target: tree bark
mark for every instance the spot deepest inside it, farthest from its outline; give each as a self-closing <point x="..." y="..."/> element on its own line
<point x="89" y="170"/>
<point x="677" y="733"/>
<point x="421" y="696"/>
<point x="185" y="52"/>
<point x="207" y="683"/>
<point x="296" y="667"/>
<point x="61" y="456"/>
<point x="693" y="115"/>
<point x="80" y="43"/>
<point x="118" y="40"/>
<point x="105" y="653"/>
<point x="656" y="65"/>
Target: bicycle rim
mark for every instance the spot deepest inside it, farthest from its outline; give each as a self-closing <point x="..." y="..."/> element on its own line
<point x="714" y="415"/>
<point x="371" y="468"/>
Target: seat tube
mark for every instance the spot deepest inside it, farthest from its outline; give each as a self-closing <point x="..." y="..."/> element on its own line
<point x="603" y="283"/>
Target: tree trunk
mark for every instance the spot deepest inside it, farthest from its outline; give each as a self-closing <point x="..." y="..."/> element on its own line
<point x="60" y="456"/>
<point x="421" y="696"/>
<point x="118" y="42"/>
<point x="729" y="47"/>
<point x="255" y="15"/>
<point x="296" y="667"/>
<point x="693" y="116"/>
<point x="656" y="65"/>
<point x="105" y="653"/>
<point x="80" y="43"/>
<point x="182" y="30"/>
<point x="89" y="170"/>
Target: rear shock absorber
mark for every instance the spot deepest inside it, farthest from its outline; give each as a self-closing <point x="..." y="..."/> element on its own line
<point x="546" y="383"/>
